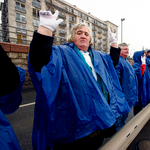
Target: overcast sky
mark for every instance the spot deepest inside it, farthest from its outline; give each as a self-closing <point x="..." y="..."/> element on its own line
<point x="136" y="26"/>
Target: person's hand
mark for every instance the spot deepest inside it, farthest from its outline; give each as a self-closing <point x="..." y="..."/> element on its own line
<point x="112" y="37"/>
<point x="143" y="59"/>
<point x="48" y="20"/>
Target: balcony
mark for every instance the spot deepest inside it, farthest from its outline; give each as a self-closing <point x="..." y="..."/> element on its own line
<point x="62" y="24"/>
<point x="99" y="31"/>
<point x="62" y="40"/>
<point x="104" y="32"/>
<point x="99" y="42"/>
<point x="62" y="16"/>
<point x="99" y="36"/>
<point x="94" y="41"/>
<point x="93" y="28"/>
<point x="104" y="38"/>
<point x="22" y="1"/>
<point x="72" y="20"/>
<point x="94" y="35"/>
<point x="104" y="43"/>
<point x="62" y="32"/>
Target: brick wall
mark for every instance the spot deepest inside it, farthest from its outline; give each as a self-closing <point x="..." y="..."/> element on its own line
<point x="18" y="54"/>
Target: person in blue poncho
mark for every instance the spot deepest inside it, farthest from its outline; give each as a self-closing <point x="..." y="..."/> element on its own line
<point x="78" y="92"/>
<point x="11" y="79"/>
<point x="148" y="59"/>
<point x="128" y="81"/>
<point x="142" y="71"/>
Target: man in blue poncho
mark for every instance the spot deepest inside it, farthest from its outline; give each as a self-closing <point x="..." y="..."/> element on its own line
<point x="78" y="92"/>
<point x="142" y="71"/>
<point x="128" y="82"/>
<point x="11" y="81"/>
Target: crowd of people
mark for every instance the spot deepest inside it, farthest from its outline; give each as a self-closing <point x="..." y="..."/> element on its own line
<point x="83" y="95"/>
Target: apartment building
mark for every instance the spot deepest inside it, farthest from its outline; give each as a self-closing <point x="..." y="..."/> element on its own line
<point x="21" y="17"/>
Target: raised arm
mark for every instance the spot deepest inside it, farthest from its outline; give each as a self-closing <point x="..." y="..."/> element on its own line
<point x="41" y="44"/>
<point x="114" y="50"/>
<point x="48" y="22"/>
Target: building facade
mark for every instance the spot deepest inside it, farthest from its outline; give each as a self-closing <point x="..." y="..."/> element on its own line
<point x="21" y="17"/>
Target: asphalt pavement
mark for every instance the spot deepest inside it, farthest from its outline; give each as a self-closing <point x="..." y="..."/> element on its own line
<point x="22" y="119"/>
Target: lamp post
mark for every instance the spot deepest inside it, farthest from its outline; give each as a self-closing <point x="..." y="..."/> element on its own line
<point x="122" y="19"/>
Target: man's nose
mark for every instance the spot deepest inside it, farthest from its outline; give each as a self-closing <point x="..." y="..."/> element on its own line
<point x="82" y="35"/>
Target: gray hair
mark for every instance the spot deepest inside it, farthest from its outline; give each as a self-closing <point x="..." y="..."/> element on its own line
<point x="70" y="37"/>
<point x="122" y="45"/>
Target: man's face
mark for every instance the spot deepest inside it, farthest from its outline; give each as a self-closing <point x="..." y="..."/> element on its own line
<point x="82" y="38"/>
<point x="124" y="52"/>
<point x="148" y="54"/>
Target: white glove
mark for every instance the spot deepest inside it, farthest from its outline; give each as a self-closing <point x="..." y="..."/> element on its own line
<point x="112" y="37"/>
<point x="143" y="59"/>
<point x="48" y="20"/>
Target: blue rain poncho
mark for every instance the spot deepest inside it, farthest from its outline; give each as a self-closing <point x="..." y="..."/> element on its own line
<point x="148" y="61"/>
<point x="8" y="104"/>
<point x="69" y="103"/>
<point x="128" y="81"/>
<point x="143" y="80"/>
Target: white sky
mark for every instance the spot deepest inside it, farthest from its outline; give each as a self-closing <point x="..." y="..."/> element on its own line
<point x="136" y="27"/>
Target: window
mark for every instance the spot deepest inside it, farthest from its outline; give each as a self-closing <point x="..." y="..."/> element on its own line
<point x="17" y="17"/>
<point x="104" y="26"/>
<point x="62" y="31"/>
<point x="93" y="28"/>
<point x="86" y="17"/>
<point x="71" y="10"/>
<point x="93" y="33"/>
<point x="20" y="18"/>
<point x="36" y="3"/>
<point x="22" y="0"/>
<point x="23" y="8"/>
<point x="81" y="20"/>
<point x="62" y="39"/>
<point x="99" y="41"/>
<point x="99" y="31"/>
<point x="79" y="14"/>
<point x="88" y="24"/>
<point x="71" y="18"/>
<point x="19" y="38"/>
<point x="36" y="22"/>
<point x="20" y="7"/>
<point x="93" y="20"/>
<point x="17" y="6"/>
<point x="23" y="19"/>
<point x="71" y="25"/>
<point x="98" y="23"/>
<point x="23" y="29"/>
<point x="35" y="12"/>
<point x="18" y="28"/>
<point x="24" y="39"/>
<point x="1" y="37"/>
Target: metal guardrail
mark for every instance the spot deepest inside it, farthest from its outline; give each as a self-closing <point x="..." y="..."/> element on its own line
<point x="123" y="138"/>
